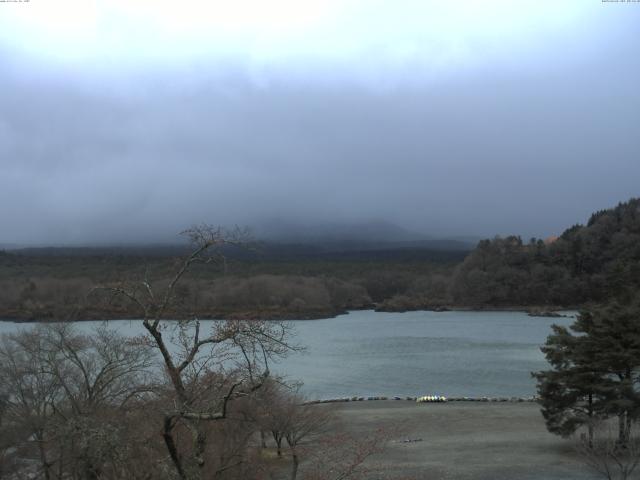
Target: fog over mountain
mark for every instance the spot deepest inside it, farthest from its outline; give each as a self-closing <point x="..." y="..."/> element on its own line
<point x="124" y="123"/>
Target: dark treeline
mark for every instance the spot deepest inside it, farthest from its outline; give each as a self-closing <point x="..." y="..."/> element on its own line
<point x="587" y="263"/>
<point x="262" y="281"/>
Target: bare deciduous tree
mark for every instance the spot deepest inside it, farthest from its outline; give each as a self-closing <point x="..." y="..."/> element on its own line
<point x="61" y="392"/>
<point x="206" y="371"/>
<point x="306" y="423"/>
<point x="341" y="456"/>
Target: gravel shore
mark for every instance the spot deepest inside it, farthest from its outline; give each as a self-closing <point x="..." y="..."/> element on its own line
<point x="465" y="440"/>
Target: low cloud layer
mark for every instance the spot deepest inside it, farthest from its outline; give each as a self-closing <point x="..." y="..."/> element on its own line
<point x="526" y="140"/>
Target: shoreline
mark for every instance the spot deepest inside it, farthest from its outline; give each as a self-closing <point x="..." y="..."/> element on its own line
<point x="422" y="399"/>
<point x="532" y="311"/>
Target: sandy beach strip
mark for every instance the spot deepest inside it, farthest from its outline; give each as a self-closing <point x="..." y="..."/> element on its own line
<point x="465" y="440"/>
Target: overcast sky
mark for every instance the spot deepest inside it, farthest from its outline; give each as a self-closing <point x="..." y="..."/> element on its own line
<point x="128" y="121"/>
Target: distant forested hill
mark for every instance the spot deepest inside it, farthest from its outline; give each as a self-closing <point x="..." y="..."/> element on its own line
<point x="268" y="280"/>
<point x="586" y="263"/>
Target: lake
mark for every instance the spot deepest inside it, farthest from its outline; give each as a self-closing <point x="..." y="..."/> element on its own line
<point x="414" y="353"/>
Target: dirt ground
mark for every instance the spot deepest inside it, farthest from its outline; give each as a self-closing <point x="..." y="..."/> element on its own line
<point x="466" y="440"/>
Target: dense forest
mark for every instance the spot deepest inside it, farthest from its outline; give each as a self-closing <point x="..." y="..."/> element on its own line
<point x="263" y="281"/>
<point x="587" y="263"/>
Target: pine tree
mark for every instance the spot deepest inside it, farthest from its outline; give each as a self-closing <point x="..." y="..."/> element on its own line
<point x="595" y="371"/>
<point x="569" y="391"/>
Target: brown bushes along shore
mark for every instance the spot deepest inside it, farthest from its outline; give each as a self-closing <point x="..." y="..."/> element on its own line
<point x="261" y="296"/>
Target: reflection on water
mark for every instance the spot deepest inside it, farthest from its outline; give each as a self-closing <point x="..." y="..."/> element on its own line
<point x="376" y="353"/>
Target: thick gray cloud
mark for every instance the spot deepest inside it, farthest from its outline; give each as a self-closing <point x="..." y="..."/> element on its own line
<point x="527" y="140"/>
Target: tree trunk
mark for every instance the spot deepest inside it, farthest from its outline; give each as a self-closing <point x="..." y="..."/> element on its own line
<point x="171" y="447"/>
<point x="590" y="424"/>
<point x="294" y="464"/>
<point x="43" y="457"/>
<point x="277" y="437"/>
<point x="622" y="429"/>
<point x="200" y="441"/>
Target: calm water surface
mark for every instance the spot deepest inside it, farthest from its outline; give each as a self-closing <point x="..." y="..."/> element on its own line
<point x="413" y="353"/>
